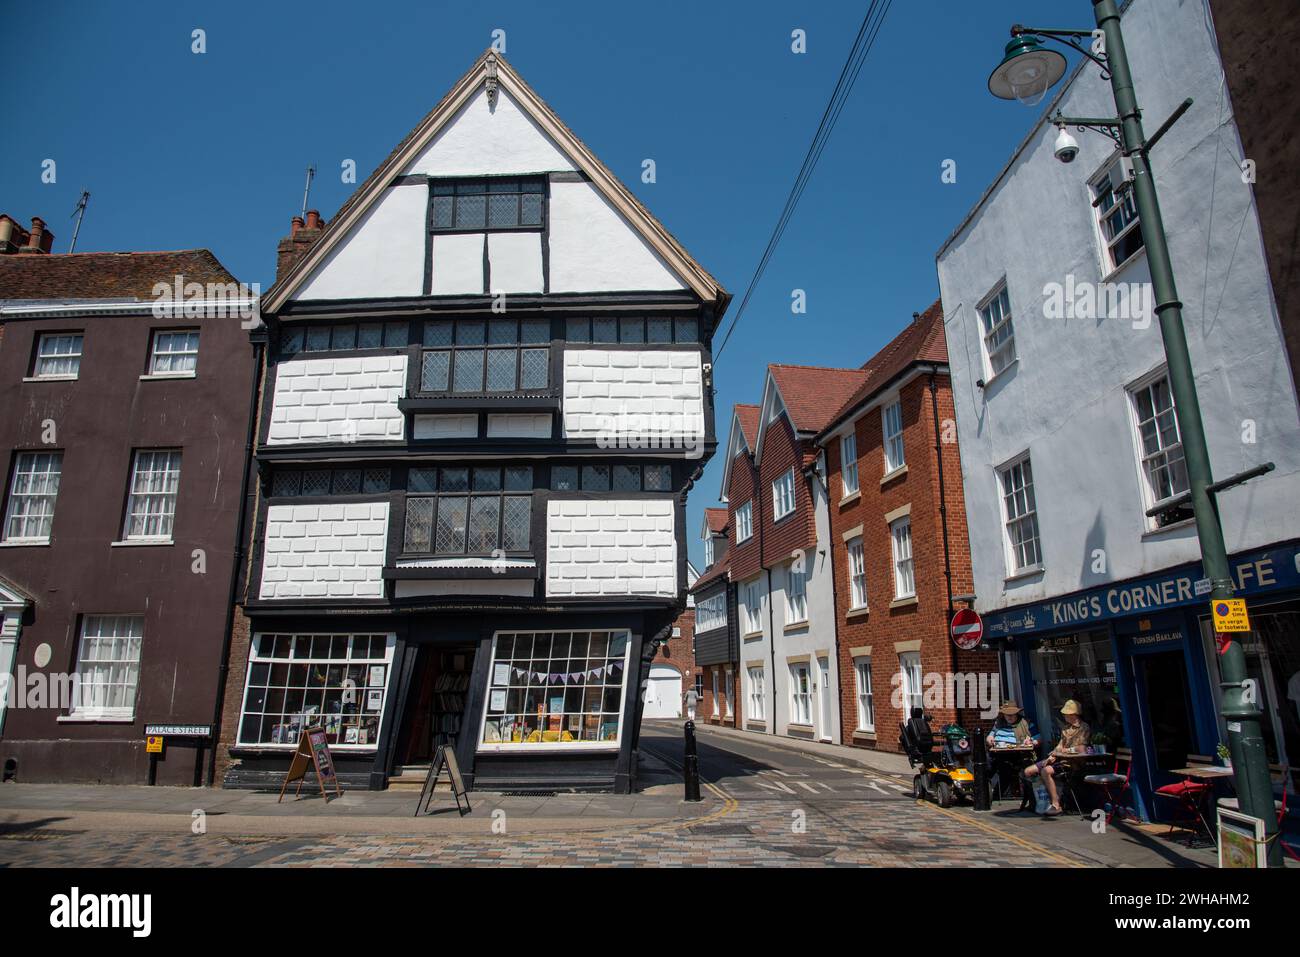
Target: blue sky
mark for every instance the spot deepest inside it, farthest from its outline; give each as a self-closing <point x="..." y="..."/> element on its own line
<point x="182" y="150"/>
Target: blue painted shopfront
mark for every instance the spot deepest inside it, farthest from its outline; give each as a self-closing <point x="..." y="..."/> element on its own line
<point x="1139" y="645"/>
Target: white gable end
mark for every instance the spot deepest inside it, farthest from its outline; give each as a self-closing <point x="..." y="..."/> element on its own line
<point x="487" y="142"/>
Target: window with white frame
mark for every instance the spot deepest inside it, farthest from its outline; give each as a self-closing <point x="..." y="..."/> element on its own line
<point x="29" y="514"/>
<point x="857" y="573"/>
<point x="756" y="694"/>
<point x="708" y="551"/>
<point x="108" y="667"/>
<point x="900" y="532"/>
<point x="800" y="695"/>
<point x="556" y="689"/>
<point x="1117" y="216"/>
<point x="849" y="463"/>
<point x="175" y="352"/>
<point x="752" y="607"/>
<point x="796" y="594"/>
<point x="1160" y="448"/>
<point x="338" y="682"/>
<point x="729" y="685"/>
<point x="711" y="612"/>
<point x="58" y="356"/>
<point x="1020" y="515"/>
<point x="744" y="522"/>
<point x="717" y="696"/>
<point x="892" y="424"/>
<point x="999" y="334"/>
<point x="783" y="495"/>
<point x="151" y="507"/>
<point x="866" y="704"/>
<point x="909" y="664"/>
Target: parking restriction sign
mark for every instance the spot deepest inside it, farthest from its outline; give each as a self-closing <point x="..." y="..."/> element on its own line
<point x="1229" y="614"/>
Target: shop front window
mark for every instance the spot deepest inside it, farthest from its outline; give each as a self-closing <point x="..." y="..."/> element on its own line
<point x="1079" y="666"/>
<point x="336" y="682"/>
<point x="555" y="689"/>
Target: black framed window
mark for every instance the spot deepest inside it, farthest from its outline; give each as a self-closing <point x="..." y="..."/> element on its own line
<point x="474" y="356"/>
<point x="635" y="330"/>
<point x="487" y="204"/>
<point x="343" y="337"/>
<point x="457" y="510"/>
<point x="601" y="477"/>
<point x="293" y="483"/>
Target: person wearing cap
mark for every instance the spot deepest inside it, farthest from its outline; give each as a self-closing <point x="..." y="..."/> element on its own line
<point x="1074" y="739"/>
<point x="1011" y="729"/>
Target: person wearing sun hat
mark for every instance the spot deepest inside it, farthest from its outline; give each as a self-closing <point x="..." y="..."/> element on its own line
<point x="1011" y="729"/>
<point x="1074" y="738"/>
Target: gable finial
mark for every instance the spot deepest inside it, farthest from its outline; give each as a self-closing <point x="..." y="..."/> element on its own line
<point x="491" y="81"/>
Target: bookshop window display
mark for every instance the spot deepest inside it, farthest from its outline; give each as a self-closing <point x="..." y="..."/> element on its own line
<point x="555" y="689"/>
<point x="337" y="682"/>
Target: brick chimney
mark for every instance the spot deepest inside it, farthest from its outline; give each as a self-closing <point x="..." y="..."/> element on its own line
<point x="12" y="236"/>
<point x="296" y="245"/>
<point x="39" y="240"/>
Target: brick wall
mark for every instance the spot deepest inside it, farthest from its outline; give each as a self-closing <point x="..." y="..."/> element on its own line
<point x="607" y="389"/>
<point x="883" y="627"/>
<point x="232" y="706"/>
<point x="611" y="547"/>
<point x="318" y="400"/>
<point x="325" y="551"/>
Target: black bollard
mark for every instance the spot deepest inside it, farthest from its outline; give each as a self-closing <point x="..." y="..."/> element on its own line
<point x="981" y="770"/>
<point x="691" y="765"/>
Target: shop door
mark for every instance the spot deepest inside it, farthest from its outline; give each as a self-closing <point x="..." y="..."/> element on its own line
<point x="1168" y="731"/>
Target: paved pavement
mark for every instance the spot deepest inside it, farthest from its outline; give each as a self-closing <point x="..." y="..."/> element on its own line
<point x="765" y="805"/>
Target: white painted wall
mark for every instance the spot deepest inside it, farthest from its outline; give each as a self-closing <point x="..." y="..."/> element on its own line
<point x="611" y="547"/>
<point x="445" y="426"/>
<point x="515" y="262"/>
<point x="1065" y="400"/>
<point x="627" y="391"/>
<point x="338" y="400"/>
<point x="519" y="426"/>
<point x="481" y="140"/>
<point x="755" y="647"/>
<point x="325" y="551"/>
<point x="457" y="264"/>
<point x="382" y="255"/>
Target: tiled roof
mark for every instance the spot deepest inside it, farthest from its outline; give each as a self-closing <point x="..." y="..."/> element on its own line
<point x="715" y="571"/>
<point x="921" y="341"/>
<point x="717" y="519"/>
<point x="812" y="394"/>
<point x="748" y="416"/>
<point x="119" y="276"/>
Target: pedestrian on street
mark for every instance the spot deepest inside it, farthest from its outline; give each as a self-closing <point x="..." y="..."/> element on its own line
<point x="691" y="698"/>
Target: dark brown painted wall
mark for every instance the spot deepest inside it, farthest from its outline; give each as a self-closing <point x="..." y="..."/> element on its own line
<point x="99" y="419"/>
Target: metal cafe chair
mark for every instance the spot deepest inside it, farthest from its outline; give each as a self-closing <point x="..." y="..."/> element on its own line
<point x="1113" y="784"/>
<point x="1188" y="796"/>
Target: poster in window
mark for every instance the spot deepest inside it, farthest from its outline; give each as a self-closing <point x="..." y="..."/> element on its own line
<point x="374" y="700"/>
<point x="497" y="700"/>
<point x="376" y="675"/>
<point x="501" y="674"/>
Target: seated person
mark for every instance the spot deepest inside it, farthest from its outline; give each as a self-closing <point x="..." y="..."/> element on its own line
<point x="1074" y="740"/>
<point x="1011" y="729"/>
<point x="1112" y="725"/>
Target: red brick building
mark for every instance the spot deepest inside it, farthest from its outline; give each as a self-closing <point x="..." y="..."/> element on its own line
<point x="898" y="541"/>
<point x="714" y="604"/>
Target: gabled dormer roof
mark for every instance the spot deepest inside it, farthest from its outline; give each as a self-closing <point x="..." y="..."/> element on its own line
<point x="808" y="396"/>
<point x="492" y="76"/>
<point x="740" y="438"/>
<point x="715" y="522"/>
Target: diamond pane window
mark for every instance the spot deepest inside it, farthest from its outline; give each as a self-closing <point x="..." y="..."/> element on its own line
<point x="496" y="203"/>
<point x="627" y="478"/>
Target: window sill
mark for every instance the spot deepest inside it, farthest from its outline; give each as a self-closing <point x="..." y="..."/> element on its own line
<point x="857" y="612"/>
<point x="861" y="735"/>
<point x="1024" y="573"/>
<point x="1172" y="527"/>
<point x="1110" y="276"/>
<point x="795" y="626"/>
<point x="751" y="635"/>
<point x="50" y="378"/>
<point x="742" y="541"/>
<point x="778" y="519"/>
<point x="140" y="542"/>
<point x="27" y="543"/>
<point x="95" y="719"/>
<point x="851" y="498"/>
<point x="998" y="375"/>
<point x="158" y="376"/>
<point x="905" y="602"/>
<point x="890" y="476"/>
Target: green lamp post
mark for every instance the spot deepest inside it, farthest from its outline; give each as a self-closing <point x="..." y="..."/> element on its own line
<point x="1026" y="72"/>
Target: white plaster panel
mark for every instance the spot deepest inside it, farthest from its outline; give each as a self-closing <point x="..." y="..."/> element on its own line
<point x="382" y="255"/>
<point x="611" y="547"/>
<point x="513" y="587"/>
<point x="594" y="249"/>
<point x="325" y="551"/>
<point x="458" y="264"/>
<point x="515" y="262"/>
<point x="634" y="395"/>
<point x="480" y="141"/>
<point x="351" y="399"/>
<point x="445" y="427"/>
<point x="520" y="426"/>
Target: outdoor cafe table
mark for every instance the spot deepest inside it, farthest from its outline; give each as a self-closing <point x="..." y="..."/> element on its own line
<point x="1208" y="773"/>
<point x="1016" y="757"/>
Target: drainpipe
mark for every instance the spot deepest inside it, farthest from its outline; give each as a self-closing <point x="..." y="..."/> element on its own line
<point x="223" y="671"/>
<point x="943" y="508"/>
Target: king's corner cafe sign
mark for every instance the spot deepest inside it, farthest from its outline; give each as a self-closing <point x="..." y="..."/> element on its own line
<point x="1254" y="573"/>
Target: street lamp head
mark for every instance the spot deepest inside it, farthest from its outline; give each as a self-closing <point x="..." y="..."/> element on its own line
<point x="1027" y="71"/>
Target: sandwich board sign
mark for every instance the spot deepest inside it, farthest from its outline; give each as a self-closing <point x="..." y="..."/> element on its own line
<point x="313" y="750"/>
<point x="443" y="759"/>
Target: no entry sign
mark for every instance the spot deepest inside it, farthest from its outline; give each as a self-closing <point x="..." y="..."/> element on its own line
<point x="967" y="629"/>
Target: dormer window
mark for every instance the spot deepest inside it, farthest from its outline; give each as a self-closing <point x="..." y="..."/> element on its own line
<point x="480" y="205"/>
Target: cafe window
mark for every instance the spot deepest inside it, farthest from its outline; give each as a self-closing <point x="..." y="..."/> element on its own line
<point x="485" y="356"/>
<point x="1079" y="666"/>
<point x="335" y="682"/>
<point x="464" y="511"/>
<point x="556" y="689"/>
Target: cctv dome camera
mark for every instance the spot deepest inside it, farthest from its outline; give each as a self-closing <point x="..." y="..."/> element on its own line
<point x="1067" y="148"/>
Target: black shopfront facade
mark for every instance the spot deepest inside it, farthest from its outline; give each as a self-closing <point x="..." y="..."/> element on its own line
<point x="530" y="698"/>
